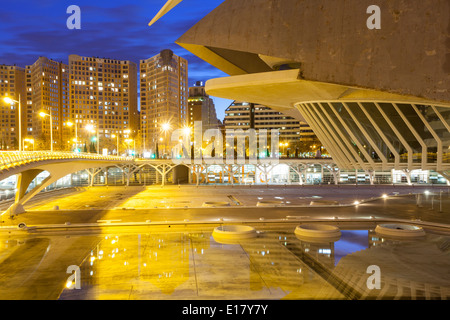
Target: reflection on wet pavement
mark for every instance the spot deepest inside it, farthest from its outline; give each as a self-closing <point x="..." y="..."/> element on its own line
<point x="191" y="264"/>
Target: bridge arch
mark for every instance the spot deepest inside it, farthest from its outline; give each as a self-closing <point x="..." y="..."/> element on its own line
<point x="28" y="166"/>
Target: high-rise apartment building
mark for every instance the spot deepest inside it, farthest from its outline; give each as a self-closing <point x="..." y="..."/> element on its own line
<point x="12" y="84"/>
<point x="103" y="96"/>
<point x="29" y="104"/>
<point x="47" y="93"/>
<point x="201" y="108"/>
<point x="243" y="115"/>
<point x="164" y="97"/>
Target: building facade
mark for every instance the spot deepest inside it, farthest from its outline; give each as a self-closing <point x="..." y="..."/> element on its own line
<point x="201" y="108"/>
<point x="164" y="98"/>
<point x="292" y="132"/>
<point x="47" y="83"/>
<point x="12" y="84"/>
<point x="103" y="101"/>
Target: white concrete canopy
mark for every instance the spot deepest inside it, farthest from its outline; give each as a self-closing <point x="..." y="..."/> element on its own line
<point x="283" y="89"/>
<point x="340" y="117"/>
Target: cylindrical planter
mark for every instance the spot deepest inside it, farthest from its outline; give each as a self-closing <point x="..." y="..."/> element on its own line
<point x="398" y="231"/>
<point x="231" y="234"/>
<point x="318" y="232"/>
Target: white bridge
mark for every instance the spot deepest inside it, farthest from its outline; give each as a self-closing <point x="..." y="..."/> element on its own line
<point x="28" y="165"/>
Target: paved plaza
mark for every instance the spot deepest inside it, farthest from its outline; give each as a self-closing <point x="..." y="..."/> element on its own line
<point x="157" y="243"/>
<point x="239" y="203"/>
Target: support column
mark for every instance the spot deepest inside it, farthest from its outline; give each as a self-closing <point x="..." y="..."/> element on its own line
<point x="163" y="175"/>
<point x="300" y="176"/>
<point x="335" y="172"/>
<point x="289" y="175"/>
<point x="106" y="176"/>
<point x="371" y="174"/>
<point x="408" y="176"/>
<point x="23" y="182"/>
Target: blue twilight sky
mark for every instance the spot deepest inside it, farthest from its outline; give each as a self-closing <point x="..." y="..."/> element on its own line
<point x="116" y="29"/>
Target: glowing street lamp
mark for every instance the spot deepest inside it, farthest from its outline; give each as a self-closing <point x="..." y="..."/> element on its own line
<point x="116" y="136"/>
<point x="187" y="131"/>
<point x="70" y="124"/>
<point x="29" y="141"/>
<point x="284" y="145"/>
<point x="8" y="100"/>
<point x="90" y="128"/>
<point x="43" y="115"/>
<point x="128" y="142"/>
<point x="165" y="127"/>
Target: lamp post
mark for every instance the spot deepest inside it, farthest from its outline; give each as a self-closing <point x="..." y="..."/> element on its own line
<point x="90" y="128"/>
<point x="70" y="124"/>
<point x="43" y="115"/>
<point x="129" y="141"/>
<point x="27" y="140"/>
<point x="116" y="136"/>
<point x="165" y="128"/>
<point x="127" y="133"/>
<point x="11" y="101"/>
<point x="187" y="138"/>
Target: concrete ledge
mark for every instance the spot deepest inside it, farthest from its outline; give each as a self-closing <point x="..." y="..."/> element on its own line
<point x="324" y="203"/>
<point x="216" y="204"/>
<point x="270" y="203"/>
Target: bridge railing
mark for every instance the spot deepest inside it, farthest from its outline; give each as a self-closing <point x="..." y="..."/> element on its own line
<point x="13" y="158"/>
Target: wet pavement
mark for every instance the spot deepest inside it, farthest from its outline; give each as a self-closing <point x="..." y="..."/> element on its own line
<point x="189" y="263"/>
<point x="170" y="253"/>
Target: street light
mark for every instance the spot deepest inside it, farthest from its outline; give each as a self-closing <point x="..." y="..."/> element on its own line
<point x="128" y="142"/>
<point x="125" y="132"/>
<point x="8" y="100"/>
<point x="43" y="115"/>
<point x="187" y="131"/>
<point x="165" y="127"/>
<point x="70" y="124"/>
<point x="27" y="140"/>
<point x="116" y="136"/>
<point x="90" y="128"/>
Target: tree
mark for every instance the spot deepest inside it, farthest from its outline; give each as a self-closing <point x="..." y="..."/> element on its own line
<point x="92" y="148"/>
